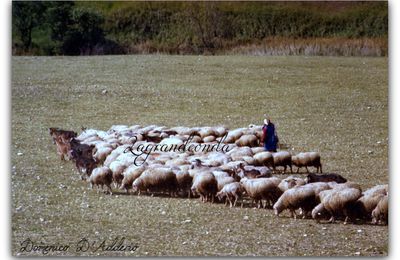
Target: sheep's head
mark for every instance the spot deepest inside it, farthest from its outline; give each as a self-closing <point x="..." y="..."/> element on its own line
<point x="276" y="210"/>
<point x="295" y="159"/>
<point x="193" y="190"/>
<point x="309" y="178"/>
<point x="220" y="195"/>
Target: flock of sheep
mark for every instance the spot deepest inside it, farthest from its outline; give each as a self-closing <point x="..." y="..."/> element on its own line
<point x="243" y="171"/>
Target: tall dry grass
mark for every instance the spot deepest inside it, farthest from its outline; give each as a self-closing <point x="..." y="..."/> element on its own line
<point x="312" y="46"/>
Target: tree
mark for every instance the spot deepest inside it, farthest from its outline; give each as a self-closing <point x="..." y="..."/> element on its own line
<point x="26" y="16"/>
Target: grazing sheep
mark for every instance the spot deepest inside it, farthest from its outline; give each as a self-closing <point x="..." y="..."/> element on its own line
<point x="115" y="153"/>
<point x="101" y="176"/>
<point x="232" y="192"/>
<point x="205" y="184"/>
<point x="290" y="182"/>
<point x="207" y="131"/>
<point x="234" y="135"/>
<point x="249" y="160"/>
<point x="130" y="175"/>
<point x="209" y="139"/>
<point x="364" y="206"/>
<point x="284" y="159"/>
<point x="223" y="180"/>
<point x="101" y="154"/>
<point x="295" y="198"/>
<point x="381" y="212"/>
<point x="338" y="203"/>
<point x="220" y="131"/>
<point x="184" y="181"/>
<point x="156" y="179"/>
<point x="247" y="140"/>
<point x="307" y="159"/>
<point x="378" y="189"/>
<point x="346" y="185"/>
<point x="238" y="153"/>
<point x="331" y="177"/>
<point x="262" y="189"/>
<point x="264" y="159"/>
<point x="117" y="168"/>
<point x="252" y="172"/>
<point x="318" y="187"/>
<point x="256" y="150"/>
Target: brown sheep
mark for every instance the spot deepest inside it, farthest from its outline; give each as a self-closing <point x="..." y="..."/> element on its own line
<point x="101" y="177"/>
<point x="295" y="198"/>
<point x="131" y="174"/>
<point x="262" y="189"/>
<point x="331" y="177"/>
<point x="378" y="189"/>
<point x="205" y="184"/>
<point x="156" y="180"/>
<point x="284" y="159"/>
<point x="381" y="212"/>
<point x="264" y="159"/>
<point x="247" y="140"/>
<point x="337" y="203"/>
<point x="307" y="159"/>
<point x="364" y="206"/>
<point x="184" y="181"/>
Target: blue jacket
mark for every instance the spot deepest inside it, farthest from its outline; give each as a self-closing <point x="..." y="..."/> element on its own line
<point x="270" y="137"/>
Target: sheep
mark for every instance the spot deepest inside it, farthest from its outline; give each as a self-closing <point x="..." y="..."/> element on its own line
<point x="341" y="186"/>
<point x="184" y="181"/>
<point x="247" y="140"/>
<point x="156" y="179"/>
<point x="290" y="182"/>
<point x="62" y="148"/>
<point x="252" y="172"/>
<point x="101" y="154"/>
<point x="264" y="159"/>
<point x="297" y="197"/>
<point x="233" y="135"/>
<point x="176" y="162"/>
<point x="205" y="184"/>
<point x="336" y="203"/>
<point x="115" y="153"/>
<point x="117" y="168"/>
<point x="130" y="175"/>
<point x="249" y="160"/>
<point x="215" y="159"/>
<point x="256" y="150"/>
<point x="223" y="180"/>
<point x="307" y="159"/>
<point x="101" y="176"/>
<point x="232" y="192"/>
<point x="262" y="188"/>
<point x="378" y="189"/>
<point x="381" y="212"/>
<point x="312" y="177"/>
<point x="238" y="153"/>
<point x="364" y="206"/>
<point x="64" y="134"/>
<point x="207" y="131"/>
<point x="209" y="139"/>
<point x="318" y="187"/>
<point x="220" y="131"/>
<point x="284" y="159"/>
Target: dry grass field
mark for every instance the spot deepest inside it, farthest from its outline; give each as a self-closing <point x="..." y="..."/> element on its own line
<point x="336" y="106"/>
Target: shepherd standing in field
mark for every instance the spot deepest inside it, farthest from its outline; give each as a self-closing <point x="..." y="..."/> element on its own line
<point x="270" y="138"/>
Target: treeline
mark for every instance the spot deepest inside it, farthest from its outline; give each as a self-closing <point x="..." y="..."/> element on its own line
<point x="91" y="28"/>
